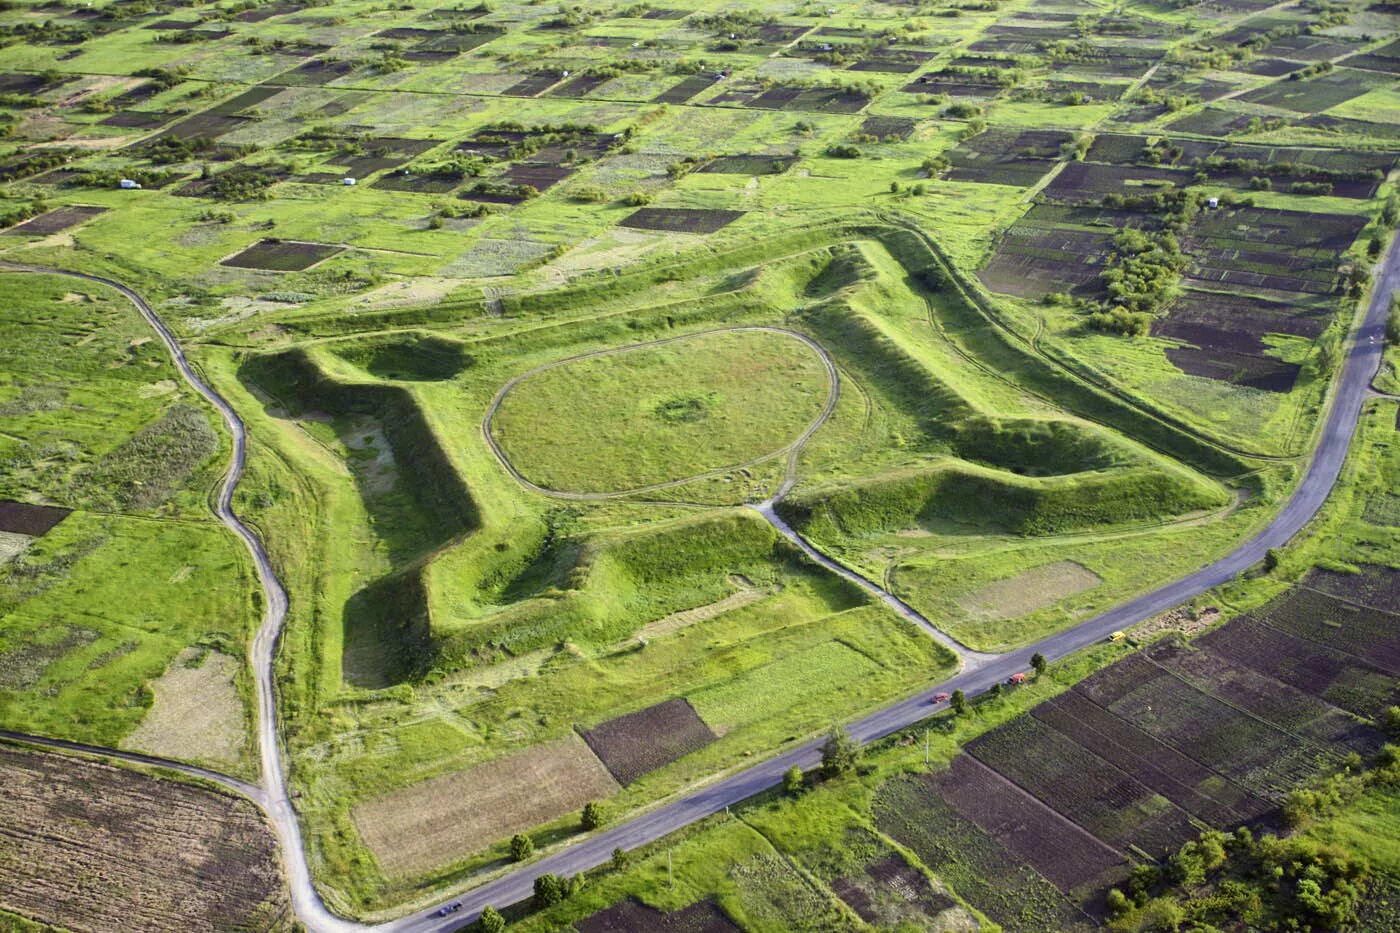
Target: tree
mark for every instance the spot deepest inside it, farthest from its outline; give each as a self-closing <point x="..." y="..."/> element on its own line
<point x="549" y="890"/>
<point x="1390" y="721"/>
<point x="958" y="701"/>
<point x="491" y="920"/>
<point x="1038" y="663"/>
<point x="840" y="754"/>
<point x="521" y="847"/>
<point x="619" y="859"/>
<point x="793" y="780"/>
<point x="1117" y="902"/>
<point x="592" y="816"/>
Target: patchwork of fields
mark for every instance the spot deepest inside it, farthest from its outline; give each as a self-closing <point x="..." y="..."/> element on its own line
<point x="1015" y="309"/>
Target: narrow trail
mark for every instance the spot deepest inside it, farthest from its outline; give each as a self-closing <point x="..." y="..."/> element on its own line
<point x="1361" y="363"/>
<point x="272" y="794"/>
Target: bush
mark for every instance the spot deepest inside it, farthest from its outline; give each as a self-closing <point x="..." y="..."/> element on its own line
<point x="550" y="890"/>
<point x="592" y="816"/>
<point x="843" y="152"/>
<point x="793" y="781"/>
<point x="840" y="754"/>
<point x="521" y="847"/>
<point x="491" y="920"/>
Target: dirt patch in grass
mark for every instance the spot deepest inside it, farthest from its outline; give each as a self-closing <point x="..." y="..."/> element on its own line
<point x="681" y="220"/>
<point x="631" y="916"/>
<point x="12" y="545"/>
<point x="90" y="847"/>
<point x="749" y="165"/>
<point x="1028" y="590"/>
<point x="281" y="256"/>
<point x="434" y="822"/>
<point x="34" y="520"/>
<point x="55" y="221"/>
<point x="638" y="743"/>
<point x="197" y="713"/>
<point x="890" y="892"/>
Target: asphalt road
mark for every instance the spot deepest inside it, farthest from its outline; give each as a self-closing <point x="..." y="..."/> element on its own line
<point x="1362" y="361"/>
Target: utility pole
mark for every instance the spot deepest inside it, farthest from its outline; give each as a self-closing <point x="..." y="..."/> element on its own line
<point x="925" y="748"/>
<point x="670" y="873"/>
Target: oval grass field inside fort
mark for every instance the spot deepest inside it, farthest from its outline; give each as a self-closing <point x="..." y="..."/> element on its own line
<point x="634" y="417"/>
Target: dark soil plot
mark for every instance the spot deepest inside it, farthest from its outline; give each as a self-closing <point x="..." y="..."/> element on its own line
<point x="1200" y="791"/>
<point x="1339" y="678"/>
<point x="1096" y="92"/>
<point x="1269" y="67"/>
<point x="1031" y="262"/>
<point x="665" y="13"/>
<point x="456" y="43"/>
<point x="1006" y="157"/>
<point x="1252" y="372"/>
<point x="141" y="119"/>
<point x="1212" y="121"/>
<point x="250" y="98"/>
<point x="1084" y="788"/>
<point x="893" y="61"/>
<point x="898" y="128"/>
<point x="685" y="89"/>
<point x="1378" y="587"/>
<point x="539" y="176"/>
<point x="315" y="73"/>
<point x="23" y="518"/>
<point x="423" y="183"/>
<point x="1310" y="48"/>
<point x="891" y="878"/>
<point x="1059" y="850"/>
<point x="54" y="221"/>
<point x="954" y="84"/>
<point x="638" y="743"/>
<point x="1259" y="248"/>
<point x="814" y="99"/>
<point x="681" y="219"/>
<point x="1362" y="128"/>
<point x="1271" y="700"/>
<point x="581" y="86"/>
<point x="1314" y="95"/>
<point x="1225" y="334"/>
<point x="749" y="165"/>
<point x="407" y="32"/>
<point x="630" y="916"/>
<point x="281" y="256"/>
<point x="1372" y="635"/>
<point x="138" y="94"/>
<point x="93" y="847"/>
<point x="1385" y="59"/>
<point x="910" y="810"/>
<point x="258" y="14"/>
<point x="532" y="85"/>
<point x="207" y="125"/>
<point x="1090" y="181"/>
<point x="1252" y="753"/>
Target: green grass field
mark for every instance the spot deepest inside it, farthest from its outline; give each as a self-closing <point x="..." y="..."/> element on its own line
<point x="595" y="248"/>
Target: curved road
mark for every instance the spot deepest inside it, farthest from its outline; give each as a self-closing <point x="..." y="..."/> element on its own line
<point x="1361" y="364"/>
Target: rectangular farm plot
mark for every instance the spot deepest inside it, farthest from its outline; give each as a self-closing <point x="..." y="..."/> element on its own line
<point x="434" y="822"/>
<point x="1377" y="587"/>
<point x="1198" y="790"/>
<point x="1371" y="635"/>
<point x="630" y="916"/>
<point x="1314" y="95"/>
<point x="281" y="256"/>
<point x="1093" y="793"/>
<point x="1341" y="679"/>
<point x="1066" y="855"/>
<point x="680" y="219"/>
<point x="1257" y="755"/>
<point x="638" y="743"/>
<point x="23" y="518"/>
<point x="55" y="221"/>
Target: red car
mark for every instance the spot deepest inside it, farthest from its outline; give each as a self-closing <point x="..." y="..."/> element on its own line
<point x="940" y="698"/>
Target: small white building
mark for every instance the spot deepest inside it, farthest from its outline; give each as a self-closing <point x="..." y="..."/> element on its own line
<point x="348" y="182"/>
<point x="128" y="184"/>
<point x="1212" y="202"/>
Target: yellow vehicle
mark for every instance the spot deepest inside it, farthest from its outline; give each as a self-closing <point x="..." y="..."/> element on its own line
<point x="1116" y="636"/>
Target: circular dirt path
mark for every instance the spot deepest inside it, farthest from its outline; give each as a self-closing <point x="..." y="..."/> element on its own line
<point x="793" y="450"/>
